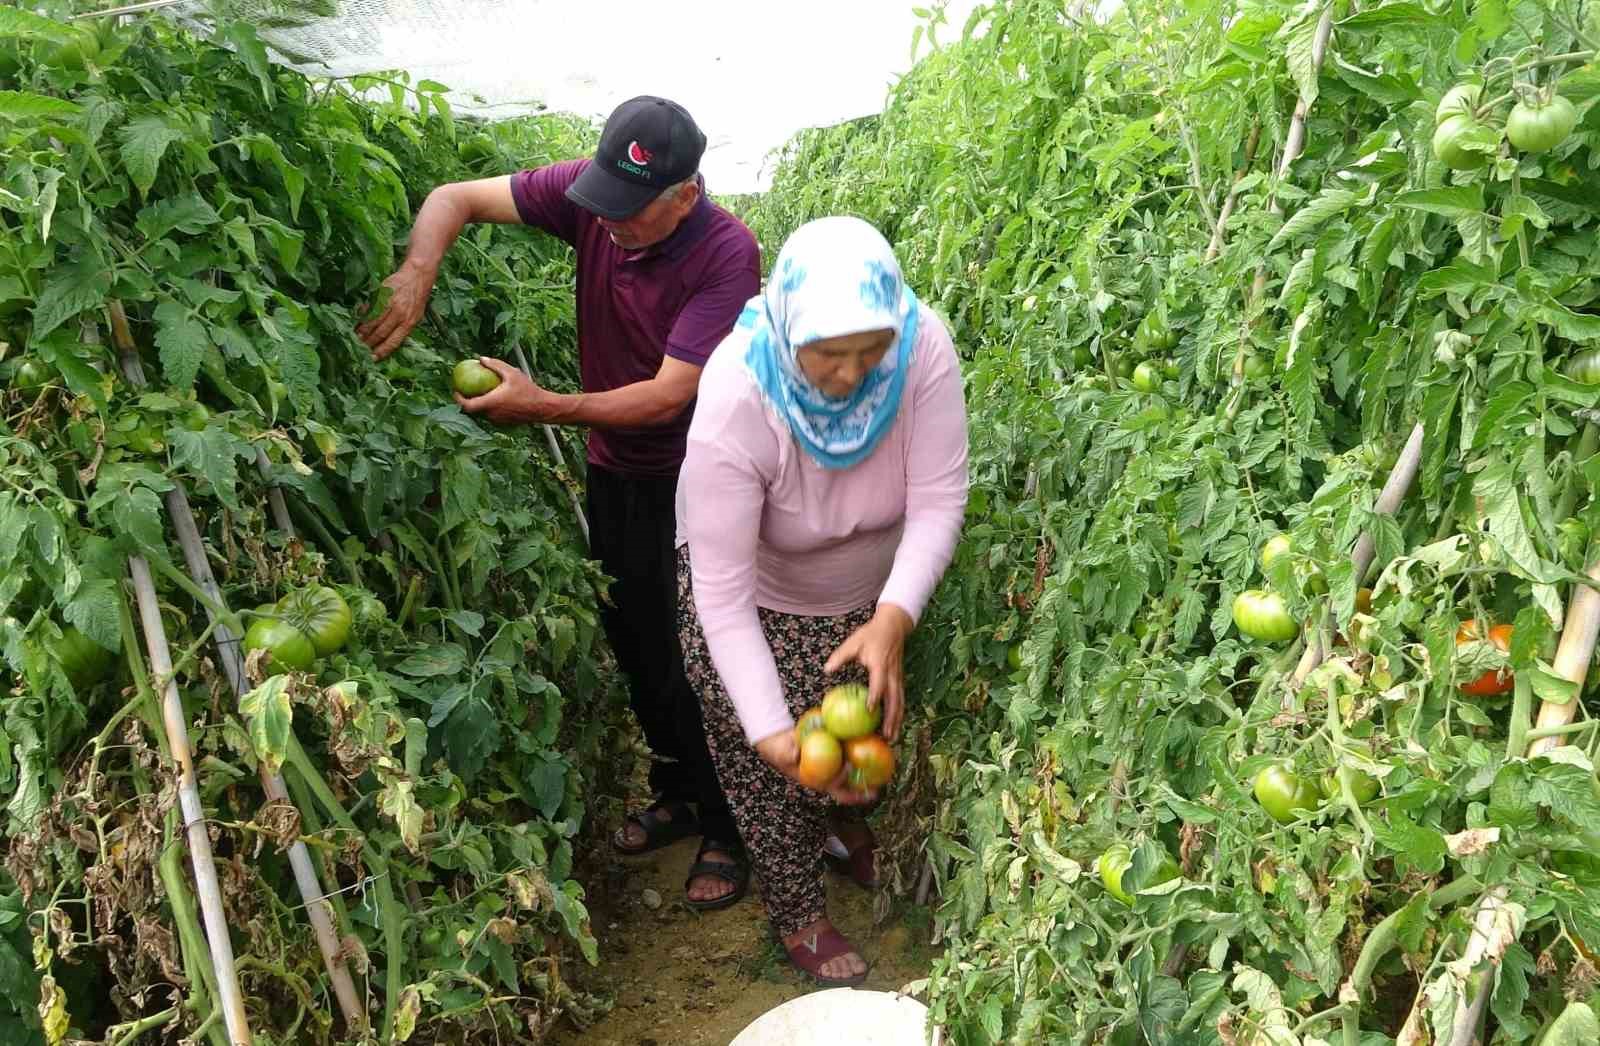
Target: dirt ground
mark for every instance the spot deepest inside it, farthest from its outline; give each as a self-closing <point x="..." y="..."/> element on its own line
<point x="684" y="978"/>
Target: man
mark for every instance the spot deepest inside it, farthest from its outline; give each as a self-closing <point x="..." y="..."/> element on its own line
<point x="662" y="275"/>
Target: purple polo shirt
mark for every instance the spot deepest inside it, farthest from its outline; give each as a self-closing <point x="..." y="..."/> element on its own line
<point x="678" y="298"/>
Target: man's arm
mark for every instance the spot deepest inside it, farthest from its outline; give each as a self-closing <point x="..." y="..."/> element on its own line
<point x="444" y="214"/>
<point x="655" y="401"/>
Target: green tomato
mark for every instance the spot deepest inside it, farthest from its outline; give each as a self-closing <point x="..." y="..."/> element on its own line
<point x="30" y="375"/>
<point x="1146" y="378"/>
<point x="196" y="417"/>
<point x="321" y="614"/>
<point x="1263" y="615"/>
<point x="83" y="660"/>
<point x="1363" y="786"/>
<point x="1541" y="127"/>
<point x="1585" y="367"/>
<point x="1014" y="657"/>
<point x="1169" y="369"/>
<point x="847" y="715"/>
<point x="1460" y="100"/>
<point x="288" y="648"/>
<point x="145" y="439"/>
<point x="1277" y="545"/>
<point x="472" y="379"/>
<point x="1282" y="793"/>
<point x="1081" y="357"/>
<point x="1255" y="368"/>
<point x="1451" y="137"/>
<point x="1111" y="865"/>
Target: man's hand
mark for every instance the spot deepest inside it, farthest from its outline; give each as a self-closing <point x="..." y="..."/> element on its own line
<point x="517" y="400"/>
<point x="879" y="647"/>
<point x="385" y="332"/>
<point x="782" y="753"/>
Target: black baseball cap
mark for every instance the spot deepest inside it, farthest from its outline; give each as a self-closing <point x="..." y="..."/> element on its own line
<point x="648" y="144"/>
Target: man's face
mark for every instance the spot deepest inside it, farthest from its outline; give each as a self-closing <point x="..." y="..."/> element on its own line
<point x="659" y="219"/>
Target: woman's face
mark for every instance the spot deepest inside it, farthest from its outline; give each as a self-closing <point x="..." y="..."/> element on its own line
<point x="837" y="365"/>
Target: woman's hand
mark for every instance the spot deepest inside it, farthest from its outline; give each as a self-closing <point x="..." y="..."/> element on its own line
<point x="879" y="647"/>
<point x="782" y="753"/>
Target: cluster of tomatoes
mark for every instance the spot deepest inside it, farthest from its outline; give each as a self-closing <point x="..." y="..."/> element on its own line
<point x="1464" y="139"/>
<point x="304" y="625"/>
<point x="842" y="733"/>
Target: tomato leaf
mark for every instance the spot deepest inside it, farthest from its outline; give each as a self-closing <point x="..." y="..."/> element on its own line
<point x="242" y="35"/>
<point x="188" y="213"/>
<point x="96" y="610"/>
<point x="1453" y="202"/>
<point x="1496" y="485"/>
<point x="1415" y="847"/>
<point x="24" y="105"/>
<point x="21" y="23"/>
<point x="210" y="454"/>
<point x="183" y="342"/>
<point x="271" y="720"/>
<point x="447" y="659"/>
<point x="144" y="141"/>
<point x="397" y="801"/>
<point x="82" y="285"/>
<point x="1567" y="790"/>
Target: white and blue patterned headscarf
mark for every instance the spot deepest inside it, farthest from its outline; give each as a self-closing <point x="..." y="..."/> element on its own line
<point x="834" y="276"/>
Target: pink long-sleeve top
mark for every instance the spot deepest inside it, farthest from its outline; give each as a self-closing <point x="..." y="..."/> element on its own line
<point x="769" y="527"/>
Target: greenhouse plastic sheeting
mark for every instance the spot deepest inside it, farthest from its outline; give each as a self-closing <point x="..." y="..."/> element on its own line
<point x="753" y="72"/>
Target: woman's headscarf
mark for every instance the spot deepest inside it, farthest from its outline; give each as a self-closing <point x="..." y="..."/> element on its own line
<point x="834" y="276"/>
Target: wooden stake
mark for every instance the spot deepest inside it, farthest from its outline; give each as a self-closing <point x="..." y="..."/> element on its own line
<point x="1572" y="659"/>
<point x="229" y="653"/>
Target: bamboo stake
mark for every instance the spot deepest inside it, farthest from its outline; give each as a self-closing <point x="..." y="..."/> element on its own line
<point x="1394" y="491"/>
<point x="1220" y="231"/>
<point x="1295" y="144"/>
<point x="280" y="509"/>
<point x="1492" y="934"/>
<point x="1572" y="659"/>
<point x="205" y="872"/>
<point x="555" y="449"/>
<point x="318" y="911"/>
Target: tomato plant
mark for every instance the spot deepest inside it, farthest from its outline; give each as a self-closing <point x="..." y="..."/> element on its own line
<point x="1199" y="165"/>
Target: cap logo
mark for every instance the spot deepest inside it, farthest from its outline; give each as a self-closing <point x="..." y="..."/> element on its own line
<point x="634" y="161"/>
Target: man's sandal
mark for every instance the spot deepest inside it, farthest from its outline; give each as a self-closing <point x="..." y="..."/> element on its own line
<point x="663" y="823"/>
<point x="819" y="948"/>
<point x="736" y="871"/>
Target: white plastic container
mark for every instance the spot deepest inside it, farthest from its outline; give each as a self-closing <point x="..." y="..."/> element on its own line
<point x="874" y="1019"/>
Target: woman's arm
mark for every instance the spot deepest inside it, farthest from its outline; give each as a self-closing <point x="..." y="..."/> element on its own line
<point x="724" y="493"/>
<point x="936" y="479"/>
<point x="936" y="500"/>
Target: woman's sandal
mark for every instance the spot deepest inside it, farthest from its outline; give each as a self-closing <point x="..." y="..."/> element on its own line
<point x="736" y="871"/>
<point x="659" y="830"/>
<point x="861" y="865"/>
<point x="812" y="953"/>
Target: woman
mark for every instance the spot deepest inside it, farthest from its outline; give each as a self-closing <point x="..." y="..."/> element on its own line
<point x="820" y="499"/>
